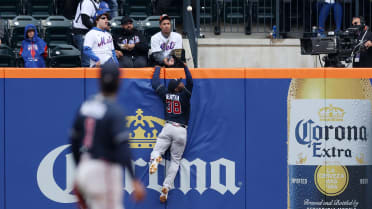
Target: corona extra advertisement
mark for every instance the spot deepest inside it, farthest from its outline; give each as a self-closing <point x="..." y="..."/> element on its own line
<point x="329" y="144"/>
<point x="257" y="138"/>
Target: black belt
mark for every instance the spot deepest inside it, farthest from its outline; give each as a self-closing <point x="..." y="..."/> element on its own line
<point x="176" y="124"/>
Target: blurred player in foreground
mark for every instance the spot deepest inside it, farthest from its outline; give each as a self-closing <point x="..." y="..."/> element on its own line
<point x="99" y="140"/>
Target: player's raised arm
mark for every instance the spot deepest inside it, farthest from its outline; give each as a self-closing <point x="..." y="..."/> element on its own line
<point x="189" y="81"/>
<point x="156" y="85"/>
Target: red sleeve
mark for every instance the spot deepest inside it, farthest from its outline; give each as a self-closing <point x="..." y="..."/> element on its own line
<point x="45" y="54"/>
<point x="20" y="51"/>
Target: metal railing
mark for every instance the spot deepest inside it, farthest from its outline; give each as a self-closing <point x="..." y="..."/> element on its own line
<point x="291" y="17"/>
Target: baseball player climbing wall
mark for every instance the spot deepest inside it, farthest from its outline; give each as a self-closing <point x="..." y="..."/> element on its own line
<point x="236" y="152"/>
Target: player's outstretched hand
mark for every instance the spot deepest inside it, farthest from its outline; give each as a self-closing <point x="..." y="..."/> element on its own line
<point x="139" y="192"/>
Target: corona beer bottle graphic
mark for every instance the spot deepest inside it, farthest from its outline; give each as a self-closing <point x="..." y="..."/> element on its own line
<point x="329" y="144"/>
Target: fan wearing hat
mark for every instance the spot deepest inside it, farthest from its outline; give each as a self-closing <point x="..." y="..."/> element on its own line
<point x="164" y="42"/>
<point x="176" y="99"/>
<point x="130" y="45"/>
<point x="33" y="49"/>
<point x="98" y="43"/>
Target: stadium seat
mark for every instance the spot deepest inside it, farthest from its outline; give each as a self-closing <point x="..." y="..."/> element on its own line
<point x="40" y="9"/>
<point x="56" y="30"/>
<point x="5" y="39"/>
<point x="115" y="25"/>
<point x="64" y="56"/>
<point x="9" y="9"/>
<point x="137" y="9"/>
<point x="150" y="26"/>
<point x="17" y="28"/>
<point x="7" y="56"/>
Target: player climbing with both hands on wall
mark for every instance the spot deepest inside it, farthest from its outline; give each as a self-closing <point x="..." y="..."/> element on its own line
<point x="174" y="133"/>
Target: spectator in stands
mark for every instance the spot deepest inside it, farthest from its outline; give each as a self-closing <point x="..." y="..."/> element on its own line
<point x="363" y="56"/>
<point x="113" y="7"/>
<point x="98" y="43"/>
<point x="131" y="46"/>
<point x="324" y="12"/>
<point x="82" y="23"/>
<point x="33" y="49"/>
<point x="164" y="42"/>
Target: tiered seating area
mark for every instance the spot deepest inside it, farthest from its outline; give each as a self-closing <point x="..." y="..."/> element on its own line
<point x="56" y="30"/>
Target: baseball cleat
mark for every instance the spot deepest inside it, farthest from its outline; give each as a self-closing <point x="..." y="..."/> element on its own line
<point x="164" y="194"/>
<point x="154" y="164"/>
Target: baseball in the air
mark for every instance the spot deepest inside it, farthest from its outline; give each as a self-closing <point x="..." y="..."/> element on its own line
<point x="189" y="8"/>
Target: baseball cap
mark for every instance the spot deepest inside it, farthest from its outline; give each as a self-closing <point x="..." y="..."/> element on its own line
<point x="103" y="5"/>
<point x="173" y="84"/>
<point x="102" y="11"/>
<point x="126" y="19"/>
<point x="164" y="17"/>
<point x="110" y="74"/>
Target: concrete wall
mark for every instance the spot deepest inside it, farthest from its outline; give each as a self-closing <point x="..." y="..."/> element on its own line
<point x="261" y="53"/>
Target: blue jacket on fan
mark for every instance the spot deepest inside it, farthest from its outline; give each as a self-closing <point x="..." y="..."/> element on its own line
<point x="33" y="50"/>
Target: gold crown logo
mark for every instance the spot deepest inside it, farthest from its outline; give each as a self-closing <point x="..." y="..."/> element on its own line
<point x="331" y="113"/>
<point x="143" y="130"/>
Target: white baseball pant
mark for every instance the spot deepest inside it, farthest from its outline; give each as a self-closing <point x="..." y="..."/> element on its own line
<point x="100" y="183"/>
<point x="175" y="137"/>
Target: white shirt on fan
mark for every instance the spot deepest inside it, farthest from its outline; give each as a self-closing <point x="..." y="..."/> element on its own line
<point x="101" y="43"/>
<point x="160" y="43"/>
<point x="88" y="7"/>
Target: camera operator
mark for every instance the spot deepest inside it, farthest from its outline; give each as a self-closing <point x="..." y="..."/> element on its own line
<point x="363" y="55"/>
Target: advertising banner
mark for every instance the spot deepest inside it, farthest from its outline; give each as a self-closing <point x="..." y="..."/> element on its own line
<point x="257" y="138"/>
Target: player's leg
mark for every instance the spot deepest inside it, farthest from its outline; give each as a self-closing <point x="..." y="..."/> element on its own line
<point x="114" y="186"/>
<point x="177" y="148"/>
<point x="92" y="171"/>
<point x="162" y="144"/>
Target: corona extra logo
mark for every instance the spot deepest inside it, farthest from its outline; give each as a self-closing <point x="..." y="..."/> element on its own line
<point x="331" y="113"/>
<point x="143" y="130"/>
<point x="218" y="175"/>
